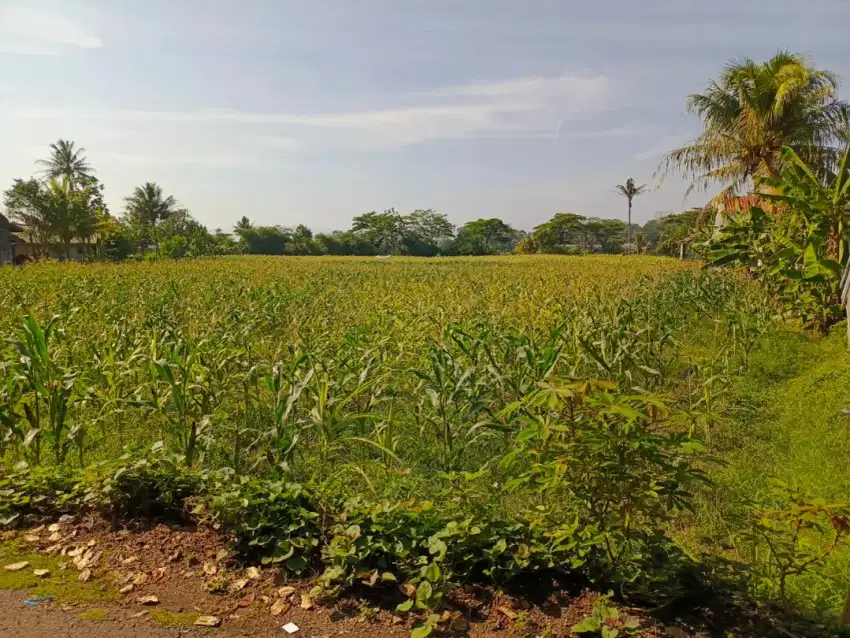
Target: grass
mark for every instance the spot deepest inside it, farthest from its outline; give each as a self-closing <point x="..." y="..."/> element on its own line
<point x="62" y="581"/>
<point x="94" y="615"/>
<point x="172" y="619"/>
<point x="784" y="420"/>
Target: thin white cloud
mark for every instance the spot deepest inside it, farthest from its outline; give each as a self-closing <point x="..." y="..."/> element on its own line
<point x="29" y="31"/>
<point x="520" y="107"/>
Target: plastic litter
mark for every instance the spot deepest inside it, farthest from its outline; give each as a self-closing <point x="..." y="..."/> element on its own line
<point x="291" y="628"/>
<point x="32" y="602"/>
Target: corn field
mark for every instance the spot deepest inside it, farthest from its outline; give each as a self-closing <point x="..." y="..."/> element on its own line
<point x="552" y="399"/>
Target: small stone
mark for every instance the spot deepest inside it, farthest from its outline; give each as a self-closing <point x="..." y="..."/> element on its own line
<point x="175" y="556"/>
<point x="31" y="538"/>
<point x="140" y="579"/>
<point x="16" y="567"/>
<point x="280" y="606"/>
<point x="53" y="549"/>
<point x="397" y="620"/>
<point x="253" y="573"/>
<point x="37" y="530"/>
<point x="126" y="589"/>
<point x="75" y="552"/>
<point x="208" y="621"/>
<point x="65" y="518"/>
<point x="285" y="592"/>
<point x="85" y="575"/>
<point x="130" y="560"/>
<point x="41" y="573"/>
<point x="55" y="537"/>
<point x="148" y="600"/>
<point x="54" y="527"/>
<point x="159" y="572"/>
<point x="91" y="543"/>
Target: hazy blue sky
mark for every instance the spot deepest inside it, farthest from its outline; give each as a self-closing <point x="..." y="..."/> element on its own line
<point x="317" y="110"/>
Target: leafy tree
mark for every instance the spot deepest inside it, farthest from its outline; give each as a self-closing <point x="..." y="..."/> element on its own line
<point x="147" y="207"/>
<point x="345" y="243"/>
<point x="243" y="223"/>
<point x="561" y="234"/>
<point x="751" y="113"/>
<point x="385" y="231"/>
<point x="485" y="237"/>
<point x="67" y="162"/>
<point x="265" y="240"/>
<point x="630" y="190"/>
<point x="25" y="203"/>
<point x="303" y="242"/>
<point x="429" y="227"/>
<point x="605" y="235"/>
<point x="51" y="212"/>
<point x="677" y="232"/>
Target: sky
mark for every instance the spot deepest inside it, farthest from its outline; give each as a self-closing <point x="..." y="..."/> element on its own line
<point x="314" y="111"/>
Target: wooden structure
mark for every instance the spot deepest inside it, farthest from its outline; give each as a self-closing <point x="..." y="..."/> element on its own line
<point x="8" y="241"/>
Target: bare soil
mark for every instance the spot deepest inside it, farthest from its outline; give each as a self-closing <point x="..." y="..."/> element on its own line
<point x="191" y="573"/>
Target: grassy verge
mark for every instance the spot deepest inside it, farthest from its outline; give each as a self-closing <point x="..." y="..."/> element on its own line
<point x="61" y="582"/>
<point x="783" y="421"/>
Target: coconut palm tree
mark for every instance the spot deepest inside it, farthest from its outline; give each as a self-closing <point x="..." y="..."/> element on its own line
<point x="754" y="110"/>
<point x="66" y="162"/>
<point x="147" y="207"/>
<point x="243" y="223"/>
<point x="630" y="190"/>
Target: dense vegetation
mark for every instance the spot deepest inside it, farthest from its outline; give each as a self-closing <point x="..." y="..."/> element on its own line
<point x="435" y="422"/>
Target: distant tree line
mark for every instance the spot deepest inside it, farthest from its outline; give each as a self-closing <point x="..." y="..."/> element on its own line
<point x="64" y="206"/>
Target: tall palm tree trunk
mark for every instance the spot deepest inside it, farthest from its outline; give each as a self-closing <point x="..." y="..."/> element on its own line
<point x="629" y="229"/>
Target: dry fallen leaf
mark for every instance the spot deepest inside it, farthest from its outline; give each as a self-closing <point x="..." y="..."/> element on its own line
<point x="91" y="543"/>
<point x="247" y="600"/>
<point x="210" y="569"/>
<point x="509" y="613"/>
<point x="148" y="600"/>
<point x="144" y="612"/>
<point x="280" y="606"/>
<point x="306" y="602"/>
<point x="16" y="567"/>
<point x="140" y="578"/>
<point x="238" y="585"/>
<point x="54" y="538"/>
<point x="175" y="556"/>
<point x="75" y="552"/>
<point x="408" y="590"/>
<point x="31" y="538"/>
<point x="53" y="549"/>
<point x="253" y="573"/>
<point x="130" y="560"/>
<point x="159" y="572"/>
<point x="85" y="575"/>
<point x="126" y="589"/>
<point x="208" y="621"/>
<point x="285" y="592"/>
<point x="54" y="527"/>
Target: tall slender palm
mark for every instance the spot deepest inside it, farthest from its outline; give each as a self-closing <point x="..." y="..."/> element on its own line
<point x="66" y="162"/>
<point x="243" y="223"/>
<point x="147" y="206"/>
<point x="754" y="110"/>
<point x="630" y="190"/>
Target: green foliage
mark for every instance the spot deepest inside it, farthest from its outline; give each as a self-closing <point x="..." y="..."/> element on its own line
<point x="799" y="250"/>
<point x="797" y="533"/>
<point x="754" y="110"/>
<point x="607" y="621"/>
